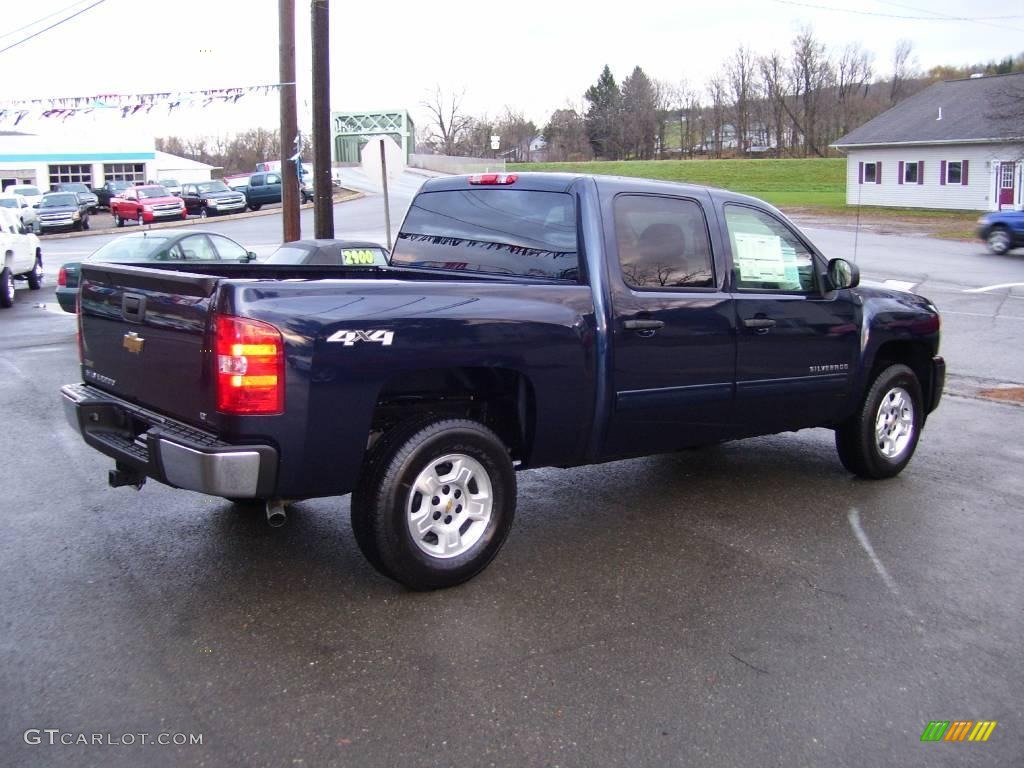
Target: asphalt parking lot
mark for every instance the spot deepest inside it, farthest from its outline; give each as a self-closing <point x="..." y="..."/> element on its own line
<point x="749" y="604"/>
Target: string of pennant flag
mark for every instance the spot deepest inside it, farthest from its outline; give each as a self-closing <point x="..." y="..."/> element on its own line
<point x="129" y="104"/>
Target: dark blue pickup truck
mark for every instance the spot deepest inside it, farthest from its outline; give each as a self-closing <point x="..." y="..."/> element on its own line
<point x="524" y="321"/>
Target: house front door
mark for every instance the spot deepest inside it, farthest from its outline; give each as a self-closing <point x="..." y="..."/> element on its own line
<point x="1006" y="174"/>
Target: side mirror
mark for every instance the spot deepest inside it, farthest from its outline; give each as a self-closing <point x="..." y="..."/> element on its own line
<point x="842" y="274"/>
<point x="36" y="205"/>
<point x="251" y="256"/>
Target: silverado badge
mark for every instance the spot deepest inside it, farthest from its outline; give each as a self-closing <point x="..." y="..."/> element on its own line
<point x="133" y="342"/>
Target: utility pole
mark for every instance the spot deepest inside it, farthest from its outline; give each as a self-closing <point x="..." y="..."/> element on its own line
<point x="289" y="123"/>
<point x="323" y="201"/>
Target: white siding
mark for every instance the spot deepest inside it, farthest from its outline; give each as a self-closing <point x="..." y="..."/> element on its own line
<point x="976" y="195"/>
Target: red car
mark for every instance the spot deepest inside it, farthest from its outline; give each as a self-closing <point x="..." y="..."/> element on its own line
<point x="146" y="204"/>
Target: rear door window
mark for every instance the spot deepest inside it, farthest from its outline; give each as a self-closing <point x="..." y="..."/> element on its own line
<point x="496" y="231"/>
<point x="663" y="243"/>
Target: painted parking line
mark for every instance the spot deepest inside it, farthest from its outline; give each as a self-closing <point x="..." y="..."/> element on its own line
<point x="900" y="285"/>
<point x="993" y="287"/>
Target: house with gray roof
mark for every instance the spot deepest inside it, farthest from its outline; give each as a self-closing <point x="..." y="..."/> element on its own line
<point x="958" y="144"/>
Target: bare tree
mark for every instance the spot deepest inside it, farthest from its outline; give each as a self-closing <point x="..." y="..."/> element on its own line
<point x="853" y="76"/>
<point x="741" y="71"/>
<point x="448" y="123"/>
<point x="811" y="74"/>
<point x="903" y="68"/>
<point x="717" y="93"/>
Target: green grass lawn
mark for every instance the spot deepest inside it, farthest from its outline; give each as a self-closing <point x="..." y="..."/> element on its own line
<point x="810" y="183"/>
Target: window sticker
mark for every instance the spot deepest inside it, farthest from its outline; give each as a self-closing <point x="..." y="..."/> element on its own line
<point x="760" y="258"/>
<point x="351" y="257"/>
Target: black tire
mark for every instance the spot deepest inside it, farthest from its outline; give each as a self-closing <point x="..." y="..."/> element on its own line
<point x="77" y="226"/>
<point x="85" y="223"/>
<point x="255" y="206"/>
<point x="203" y="213"/>
<point x="6" y="288"/>
<point x="379" y="505"/>
<point x="999" y="240"/>
<point x="857" y="441"/>
<point x="35" y="277"/>
<point x="118" y="221"/>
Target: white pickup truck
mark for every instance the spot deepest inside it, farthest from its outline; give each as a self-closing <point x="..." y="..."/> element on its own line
<point x="22" y="257"/>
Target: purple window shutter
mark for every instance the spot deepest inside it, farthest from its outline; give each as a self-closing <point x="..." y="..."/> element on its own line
<point x="899" y="177"/>
<point x="860" y="173"/>
<point x="920" y="171"/>
<point x="878" y="172"/>
<point x="963" y="173"/>
<point x="942" y="173"/>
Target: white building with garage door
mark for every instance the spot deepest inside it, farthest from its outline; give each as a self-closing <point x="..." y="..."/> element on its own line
<point x="958" y="144"/>
<point x="46" y="160"/>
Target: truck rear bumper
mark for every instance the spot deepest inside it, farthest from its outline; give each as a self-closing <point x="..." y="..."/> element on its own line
<point x="166" y="450"/>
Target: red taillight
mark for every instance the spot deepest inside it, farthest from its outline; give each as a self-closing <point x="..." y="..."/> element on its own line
<point x="62" y="277"/>
<point x="493" y="178"/>
<point x="249" y="366"/>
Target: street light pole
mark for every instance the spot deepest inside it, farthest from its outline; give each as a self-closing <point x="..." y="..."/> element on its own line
<point x="289" y="122"/>
<point x="323" y="201"/>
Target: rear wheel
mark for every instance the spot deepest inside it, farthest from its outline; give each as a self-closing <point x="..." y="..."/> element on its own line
<point x="35" y="277"/>
<point x="6" y="288"/>
<point x="435" y="502"/>
<point x="999" y="240"/>
<point x="879" y="440"/>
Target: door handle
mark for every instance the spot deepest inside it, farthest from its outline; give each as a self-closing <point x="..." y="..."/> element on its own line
<point x="761" y="324"/>
<point x="643" y="325"/>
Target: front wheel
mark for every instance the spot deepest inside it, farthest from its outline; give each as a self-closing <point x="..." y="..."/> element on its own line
<point x="435" y="502"/>
<point x="255" y="206"/>
<point x="879" y="440"/>
<point x="999" y="241"/>
<point x="203" y="214"/>
<point x="85" y="223"/>
<point x="6" y="288"/>
<point x="118" y="221"/>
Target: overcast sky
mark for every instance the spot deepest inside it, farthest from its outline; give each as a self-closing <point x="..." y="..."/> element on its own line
<point x="533" y="57"/>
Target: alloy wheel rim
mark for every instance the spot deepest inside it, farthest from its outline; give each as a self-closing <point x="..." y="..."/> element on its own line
<point x="449" y="506"/>
<point x="894" y="423"/>
<point x="999" y="241"/>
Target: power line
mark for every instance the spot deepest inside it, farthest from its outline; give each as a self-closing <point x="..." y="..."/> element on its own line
<point x="56" y="24"/>
<point x="41" y="20"/>
<point x="937" y="17"/>
<point x="982" y="20"/>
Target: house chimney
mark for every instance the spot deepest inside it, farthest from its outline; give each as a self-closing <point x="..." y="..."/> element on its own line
<point x="940" y="114"/>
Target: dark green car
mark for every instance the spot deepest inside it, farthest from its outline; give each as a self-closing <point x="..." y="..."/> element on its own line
<point x="140" y="247"/>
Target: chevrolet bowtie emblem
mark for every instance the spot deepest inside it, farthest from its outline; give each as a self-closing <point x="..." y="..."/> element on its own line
<point x="133" y="342"/>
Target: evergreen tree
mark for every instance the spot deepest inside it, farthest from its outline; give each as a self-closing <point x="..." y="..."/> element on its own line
<point x="604" y="116"/>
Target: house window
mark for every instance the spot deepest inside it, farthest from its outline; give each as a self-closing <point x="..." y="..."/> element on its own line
<point x="910" y="173"/>
<point x="134" y="173"/>
<point x="66" y="174"/>
<point x="870" y="173"/>
<point x="954" y="172"/>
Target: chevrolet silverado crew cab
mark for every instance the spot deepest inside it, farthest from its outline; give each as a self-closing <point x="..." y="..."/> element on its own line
<point x="523" y="321"/>
<point x="146" y="204"/>
<point x="22" y="257"/>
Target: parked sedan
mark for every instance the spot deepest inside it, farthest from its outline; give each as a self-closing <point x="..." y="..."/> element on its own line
<point x="140" y="247"/>
<point x="63" y="210"/>
<point x="342" y="253"/>
<point x="1002" y="230"/>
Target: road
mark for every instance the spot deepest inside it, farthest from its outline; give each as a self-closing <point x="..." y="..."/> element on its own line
<point x="750" y="604"/>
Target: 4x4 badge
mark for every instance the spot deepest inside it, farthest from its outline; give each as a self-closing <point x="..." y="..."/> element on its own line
<point x="133" y="342"/>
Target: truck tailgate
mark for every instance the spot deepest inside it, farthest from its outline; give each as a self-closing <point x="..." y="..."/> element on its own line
<point x="145" y="338"/>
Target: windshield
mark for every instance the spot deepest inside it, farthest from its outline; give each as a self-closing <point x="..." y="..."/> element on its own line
<point x="30" y="191"/>
<point x="131" y="249"/>
<point x="59" y="200"/>
<point x="74" y="188"/>
<point x="8" y="202"/>
<point x="213" y="186"/>
<point x="146" y="193"/>
<point x="169" y="183"/>
<point x="119" y="185"/>
<point x="288" y="255"/>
